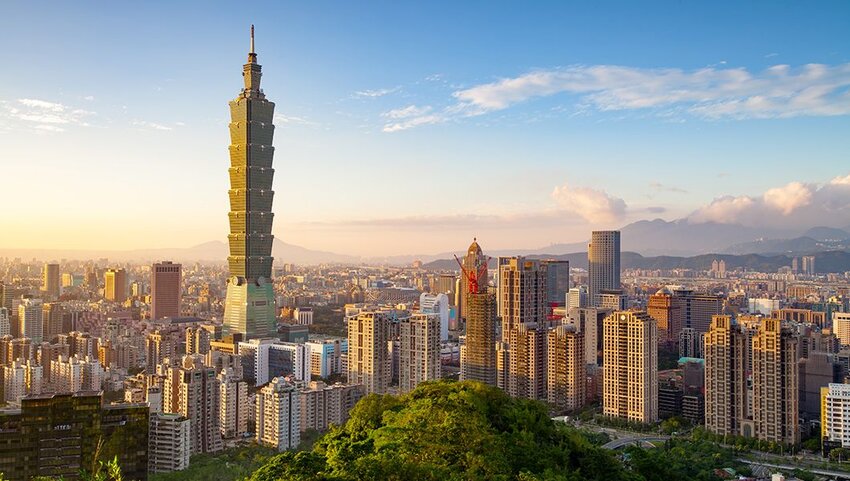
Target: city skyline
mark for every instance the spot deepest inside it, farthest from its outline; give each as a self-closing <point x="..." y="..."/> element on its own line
<point x="543" y="103"/>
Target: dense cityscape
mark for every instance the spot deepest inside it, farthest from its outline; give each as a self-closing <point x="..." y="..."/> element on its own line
<point x="733" y="365"/>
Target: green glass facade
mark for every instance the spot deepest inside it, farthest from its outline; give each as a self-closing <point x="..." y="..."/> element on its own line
<point x="249" y="305"/>
<point x="58" y="435"/>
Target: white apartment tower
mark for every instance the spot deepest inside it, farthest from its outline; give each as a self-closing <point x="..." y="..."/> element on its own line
<point x="419" y="356"/>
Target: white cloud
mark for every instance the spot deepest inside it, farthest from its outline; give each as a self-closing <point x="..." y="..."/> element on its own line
<point x="593" y="205"/>
<point x="42" y="115"/>
<point x="281" y="119"/>
<point x="794" y="205"/>
<point x="413" y="122"/>
<point x="150" y="125"/>
<point x="409" y="111"/>
<point x="375" y="93"/>
<point x="89" y="97"/>
<point x="709" y="93"/>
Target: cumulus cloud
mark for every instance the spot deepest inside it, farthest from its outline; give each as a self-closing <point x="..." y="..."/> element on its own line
<point x="42" y="115"/>
<point x="795" y="204"/>
<point x="711" y="93"/>
<point x="593" y="205"/>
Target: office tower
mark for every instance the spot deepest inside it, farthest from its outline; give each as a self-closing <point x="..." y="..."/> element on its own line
<point x="368" y="357"/>
<point x="166" y="290"/>
<point x="115" y="285"/>
<point x="278" y="408"/>
<point x="472" y="262"/>
<point x="437" y="304"/>
<point x="30" y="320"/>
<point x="197" y="340"/>
<point x="522" y="285"/>
<point x="808" y="265"/>
<point x="5" y="322"/>
<point x="51" y="281"/>
<point x="557" y="281"/>
<point x="697" y="309"/>
<point x="775" y="383"/>
<point x="52" y="317"/>
<point x="196" y="389"/>
<point x="158" y="348"/>
<point x="727" y="357"/>
<point x="603" y="263"/>
<point x="265" y="359"/>
<point x="577" y="297"/>
<point x="76" y="374"/>
<point x="233" y="404"/>
<point x="841" y="327"/>
<point x="419" y="356"/>
<point x="667" y="314"/>
<point x="613" y="299"/>
<point x="816" y="370"/>
<point x="61" y="435"/>
<point x="630" y="378"/>
<point x="303" y="315"/>
<point x="527" y="362"/>
<point x="566" y="377"/>
<point x="169" y="442"/>
<point x="250" y="304"/>
<point x="323" y="405"/>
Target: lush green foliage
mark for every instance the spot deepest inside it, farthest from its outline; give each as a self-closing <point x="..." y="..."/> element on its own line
<point x="680" y="459"/>
<point x="228" y="465"/>
<point x="445" y="431"/>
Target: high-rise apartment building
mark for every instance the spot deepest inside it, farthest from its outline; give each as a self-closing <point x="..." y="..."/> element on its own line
<point x="30" y="319"/>
<point x="566" y="375"/>
<point x="437" y="304"/>
<point x="667" y="314"/>
<point x="419" y="356"/>
<point x="115" y="285"/>
<point x="603" y="263"/>
<point x="197" y="393"/>
<point x="233" y="404"/>
<point x="841" y="327"/>
<point x="166" y="290"/>
<point x="250" y="303"/>
<point x="522" y="285"/>
<point x="52" y="318"/>
<point x="76" y="374"/>
<point x="368" y="355"/>
<point x="835" y="414"/>
<point x="5" y="322"/>
<point x="197" y="340"/>
<point x="51" y="282"/>
<point x="323" y="405"/>
<point x="169" y="442"/>
<point x="577" y="297"/>
<point x="630" y="376"/>
<point x="588" y="321"/>
<point x="527" y="367"/>
<point x="727" y="354"/>
<point x="22" y="378"/>
<point x="278" y="408"/>
<point x="775" y="383"/>
<point x="478" y="354"/>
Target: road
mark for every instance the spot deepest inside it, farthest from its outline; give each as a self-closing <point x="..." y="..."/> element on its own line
<point x="642" y="441"/>
<point x="788" y="467"/>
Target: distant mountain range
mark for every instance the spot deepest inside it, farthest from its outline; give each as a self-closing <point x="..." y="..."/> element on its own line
<point x="650" y="238"/>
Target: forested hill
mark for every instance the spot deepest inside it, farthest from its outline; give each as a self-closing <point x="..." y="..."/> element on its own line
<point x="825" y="262"/>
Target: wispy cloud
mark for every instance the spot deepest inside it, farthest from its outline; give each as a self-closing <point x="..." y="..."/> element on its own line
<point x="42" y="115"/>
<point x="658" y="186"/>
<point x="150" y="125"/>
<point x="712" y="93"/>
<point x="281" y="119"/>
<point x="405" y="112"/>
<point x="375" y="93"/>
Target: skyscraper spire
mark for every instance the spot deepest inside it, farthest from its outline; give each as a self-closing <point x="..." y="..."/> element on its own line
<point x="252" y="38"/>
<point x="252" y="72"/>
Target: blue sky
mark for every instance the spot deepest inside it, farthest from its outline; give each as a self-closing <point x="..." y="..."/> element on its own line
<point x="406" y="128"/>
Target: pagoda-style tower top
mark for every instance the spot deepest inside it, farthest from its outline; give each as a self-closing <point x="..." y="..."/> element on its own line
<point x="252" y="72"/>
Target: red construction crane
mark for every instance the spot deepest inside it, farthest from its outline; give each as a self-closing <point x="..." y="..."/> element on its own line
<point x="473" y="277"/>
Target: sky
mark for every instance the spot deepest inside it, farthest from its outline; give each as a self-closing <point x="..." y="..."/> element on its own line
<point x="407" y="127"/>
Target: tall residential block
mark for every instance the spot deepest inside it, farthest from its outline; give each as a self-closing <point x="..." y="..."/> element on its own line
<point x="566" y="376"/>
<point x="5" y="322"/>
<point x="169" y="442"/>
<point x="835" y="415"/>
<point x="603" y="263"/>
<point x="115" y="285"/>
<point x="727" y="354"/>
<point x="278" y="408"/>
<point x="522" y="287"/>
<point x="775" y="383"/>
<point x="526" y="376"/>
<point x="250" y="304"/>
<point x="197" y="394"/>
<point x="369" y="362"/>
<point x="233" y="404"/>
<point x="419" y="354"/>
<point x="630" y="367"/>
<point x="323" y="405"/>
<point x="51" y="282"/>
<point x="166" y="290"/>
<point x="30" y="319"/>
<point x="478" y="354"/>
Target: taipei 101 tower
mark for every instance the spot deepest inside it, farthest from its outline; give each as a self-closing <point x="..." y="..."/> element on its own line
<point x="250" y="307"/>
